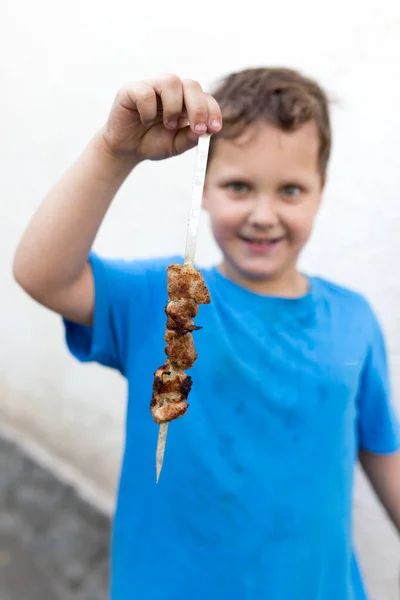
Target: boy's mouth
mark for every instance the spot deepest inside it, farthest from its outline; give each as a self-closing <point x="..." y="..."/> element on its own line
<point x="261" y="244"/>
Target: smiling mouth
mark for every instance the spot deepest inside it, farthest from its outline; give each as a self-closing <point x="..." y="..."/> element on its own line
<point x="261" y="241"/>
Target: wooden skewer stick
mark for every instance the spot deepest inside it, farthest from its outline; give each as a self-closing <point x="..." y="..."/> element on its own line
<point x="161" y="442"/>
<point x="190" y="251"/>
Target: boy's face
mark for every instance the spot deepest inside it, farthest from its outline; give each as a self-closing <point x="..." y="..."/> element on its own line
<point x="262" y="193"/>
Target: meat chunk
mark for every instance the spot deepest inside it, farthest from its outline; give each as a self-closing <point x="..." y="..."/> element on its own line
<point x="180" y="315"/>
<point x="167" y="411"/>
<point x="171" y="388"/>
<point x="184" y="281"/>
<point x="171" y="383"/>
<point x="180" y="349"/>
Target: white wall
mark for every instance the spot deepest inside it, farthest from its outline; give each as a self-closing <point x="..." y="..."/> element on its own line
<point x="62" y="63"/>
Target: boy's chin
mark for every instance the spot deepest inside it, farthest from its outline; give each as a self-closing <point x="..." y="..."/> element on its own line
<point x="260" y="275"/>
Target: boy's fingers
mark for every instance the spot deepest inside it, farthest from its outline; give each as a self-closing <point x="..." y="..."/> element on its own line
<point x="169" y="89"/>
<point x="196" y="106"/>
<point x="185" y="139"/>
<point x="142" y="97"/>
<point x="175" y="99"/>
<point x="214" y="114"/>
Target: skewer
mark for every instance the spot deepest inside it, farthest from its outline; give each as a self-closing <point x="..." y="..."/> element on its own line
<point x="190" y="251"/>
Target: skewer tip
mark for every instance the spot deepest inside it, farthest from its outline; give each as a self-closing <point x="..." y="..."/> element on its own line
<point x="162" y="439"/>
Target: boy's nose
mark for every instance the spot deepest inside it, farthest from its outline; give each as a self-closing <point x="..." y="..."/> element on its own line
<point x="263" y="215"/>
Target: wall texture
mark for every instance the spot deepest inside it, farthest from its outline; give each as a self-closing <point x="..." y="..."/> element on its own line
<point x="60" y="68"/>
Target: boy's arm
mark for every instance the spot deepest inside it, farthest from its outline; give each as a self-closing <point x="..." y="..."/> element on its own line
<point x="383" y="471"/>
<point x="51" y="260"/>
<point x="378" y="423"/>
<point x="149" y="120"/>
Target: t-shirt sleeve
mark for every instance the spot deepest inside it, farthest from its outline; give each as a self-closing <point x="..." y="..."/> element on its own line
<point x="379" y="425"/>
<point x="125" y="292"/>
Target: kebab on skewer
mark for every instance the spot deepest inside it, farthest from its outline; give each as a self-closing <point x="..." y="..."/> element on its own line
<point x="186" y="290"/>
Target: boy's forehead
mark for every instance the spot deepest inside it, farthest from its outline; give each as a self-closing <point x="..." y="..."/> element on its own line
<point x="266" y="144"/>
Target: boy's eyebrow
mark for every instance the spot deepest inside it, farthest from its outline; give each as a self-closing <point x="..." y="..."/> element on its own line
<point x="290" y="178"/>
<point x="235" y="177"/>
<point x="231" y="173"/>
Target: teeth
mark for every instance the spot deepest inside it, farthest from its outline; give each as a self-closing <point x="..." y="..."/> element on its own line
<point x="261" y="241"/>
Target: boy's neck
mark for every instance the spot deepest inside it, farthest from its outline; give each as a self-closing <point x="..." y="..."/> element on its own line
<point x="291" y="284"/>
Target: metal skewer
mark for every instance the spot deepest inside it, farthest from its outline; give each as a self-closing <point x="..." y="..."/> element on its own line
<point x="190" y="251"/>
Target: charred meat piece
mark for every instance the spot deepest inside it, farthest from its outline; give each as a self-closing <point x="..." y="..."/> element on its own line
<point x="180" y="315"/>
<point x="180" y="349"/>
<point x="168" y="412"/>
<point x="171" y="388"/>
<point x="184" y="281"/>
<point x="171" y="383"/>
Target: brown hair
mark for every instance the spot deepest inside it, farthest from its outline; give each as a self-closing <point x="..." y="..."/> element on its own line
<point x="281" y="97"/>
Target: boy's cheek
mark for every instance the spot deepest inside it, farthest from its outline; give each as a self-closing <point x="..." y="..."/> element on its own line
<point x="229" y="230"/>
<point x="227" y="220"/>
<point x="224" y="231"/>
<point x="301" y="232"/>
<point x="301" y="221"/>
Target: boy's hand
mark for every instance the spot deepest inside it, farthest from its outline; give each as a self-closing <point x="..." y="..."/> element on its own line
<point x="159" y="118"/>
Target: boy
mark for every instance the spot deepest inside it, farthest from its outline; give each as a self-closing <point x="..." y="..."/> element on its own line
<point x="290" y="384"/>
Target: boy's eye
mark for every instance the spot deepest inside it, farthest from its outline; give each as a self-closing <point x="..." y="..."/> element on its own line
<point x="291" y="190"/>
<point x="238" y="187"/>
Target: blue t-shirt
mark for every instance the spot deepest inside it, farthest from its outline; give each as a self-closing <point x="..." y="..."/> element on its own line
<point x="255" y="497"/>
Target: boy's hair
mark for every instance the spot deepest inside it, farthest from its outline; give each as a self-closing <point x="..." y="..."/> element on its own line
<point x="282" y="97"/>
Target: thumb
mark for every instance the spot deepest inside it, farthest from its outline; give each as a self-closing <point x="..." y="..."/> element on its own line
<point x="185" y="139"/>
